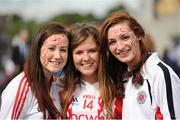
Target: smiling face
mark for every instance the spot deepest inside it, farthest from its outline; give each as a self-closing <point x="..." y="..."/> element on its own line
<point x="86" y="58"/>
<point x="123" y="44"/>
<point x="54" y="53"/>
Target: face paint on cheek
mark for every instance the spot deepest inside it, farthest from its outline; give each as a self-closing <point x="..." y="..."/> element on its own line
<point x="133" y="42"/>
<point x="44" y="56"/>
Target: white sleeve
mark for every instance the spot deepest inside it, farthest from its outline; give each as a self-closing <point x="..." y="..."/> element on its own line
<point x="166" y="88"/>
<point x="13" y="99"/>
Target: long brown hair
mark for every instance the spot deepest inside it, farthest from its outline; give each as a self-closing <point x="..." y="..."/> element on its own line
<point x="79" y="33"/>
<point x="115" y="69"/>
<point x="34" y="70"/>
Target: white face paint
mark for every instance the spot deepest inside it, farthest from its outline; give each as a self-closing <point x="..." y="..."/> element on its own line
<point x="123" y="44"/>
<point x="54" y="53"/>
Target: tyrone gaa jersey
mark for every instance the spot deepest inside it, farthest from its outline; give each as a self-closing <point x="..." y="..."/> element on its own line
<point x="18" y="101"/>
<point x="87" y="103"/>
<point x="161" y="89"/>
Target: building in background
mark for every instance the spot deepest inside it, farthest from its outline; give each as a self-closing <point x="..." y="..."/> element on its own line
<point x="161" y="20"/>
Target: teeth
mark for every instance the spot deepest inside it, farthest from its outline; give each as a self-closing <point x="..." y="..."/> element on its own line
<point x="86" y="65"/>
<point x="55" y="63"/>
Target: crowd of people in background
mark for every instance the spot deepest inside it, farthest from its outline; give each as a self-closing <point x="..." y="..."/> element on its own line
<point x="110" y="73"/>
<point x="13" y="58"/>
<point x="172" y="56"/>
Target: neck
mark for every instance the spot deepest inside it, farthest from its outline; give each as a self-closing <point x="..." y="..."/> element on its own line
<point x="136" y="61"/>
<point x="90" y="79"/>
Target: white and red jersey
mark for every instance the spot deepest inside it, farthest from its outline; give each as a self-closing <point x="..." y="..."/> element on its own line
<point x="18" y="101"/>
<point x="87" y="103"/>
<point x="160" y="90"/>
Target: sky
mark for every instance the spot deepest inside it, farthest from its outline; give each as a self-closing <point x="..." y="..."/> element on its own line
<point x="40" y="10"/>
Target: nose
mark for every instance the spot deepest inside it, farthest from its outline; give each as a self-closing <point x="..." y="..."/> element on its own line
<point x="85" y="56"/>
<point x="57" y="54"/>
<point x="119" y="46"/>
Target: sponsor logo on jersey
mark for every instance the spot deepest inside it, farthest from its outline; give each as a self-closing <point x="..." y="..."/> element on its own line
<point x="38" y="109"/>
<point x="86" y="117"/>
<point x="75" y="101"/>
<point x="141" y="97"/>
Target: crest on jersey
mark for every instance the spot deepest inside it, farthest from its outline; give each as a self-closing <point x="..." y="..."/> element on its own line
<point x="141" y="97"/>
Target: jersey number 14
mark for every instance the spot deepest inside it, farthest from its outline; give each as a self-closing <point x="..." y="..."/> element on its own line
<point x="88" y="104"/>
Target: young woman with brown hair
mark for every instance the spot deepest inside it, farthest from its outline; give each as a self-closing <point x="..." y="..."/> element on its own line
<point x="146" y="84"/>
<point x="34" y="93"/>
<point x="85" y="96"/>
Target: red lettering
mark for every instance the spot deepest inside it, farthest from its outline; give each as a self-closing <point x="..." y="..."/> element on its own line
<point x="89" y="97"/>
<point x="88" y="104"/>
<point x="85" y="117"/>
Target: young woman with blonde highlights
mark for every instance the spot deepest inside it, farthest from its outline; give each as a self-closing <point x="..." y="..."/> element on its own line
<point x="86" y="96"/>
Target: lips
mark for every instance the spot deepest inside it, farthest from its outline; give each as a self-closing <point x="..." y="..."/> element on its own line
<point x="87" y="64"/>
<point x="123" y="54"/>
<point x="56" y="63"/>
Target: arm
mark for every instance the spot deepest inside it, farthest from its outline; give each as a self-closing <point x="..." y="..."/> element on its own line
<point x="167" y="86"/>
<point x="14" y="98"/>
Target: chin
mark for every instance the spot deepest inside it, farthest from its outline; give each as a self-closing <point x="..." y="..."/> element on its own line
<point x="88" y="73"/>
<point x="54" y="70"/>
<point x="124" y="60"/>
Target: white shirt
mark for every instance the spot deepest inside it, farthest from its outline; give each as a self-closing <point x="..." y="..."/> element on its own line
<point x="160" y="89"/>
<point x="86" y="103"/>
<point x="18" y="101"/>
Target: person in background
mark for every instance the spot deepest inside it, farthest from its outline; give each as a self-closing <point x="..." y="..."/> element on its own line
<point x="149" y="84"/>
<point x="85" y="96"/>
<point x="34" y="93"/>
<point x="20" y="50"/>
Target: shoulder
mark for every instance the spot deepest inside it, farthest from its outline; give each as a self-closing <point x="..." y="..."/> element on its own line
<point x="14" y="97"/>
<point x="154" y="68"/>
<point x="18" y="83"/>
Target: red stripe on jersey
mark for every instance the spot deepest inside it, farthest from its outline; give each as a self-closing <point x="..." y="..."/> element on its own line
<point x="100" y="108"/>
<point x="16" y="100"/>
<point x="69" y="106"/>
<point x="19" y="95"/>
<point x="159" y="116"/>
<point x="118" y="108"/>
<point x="23" y="99"/>
<point x="20" y="99"/>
